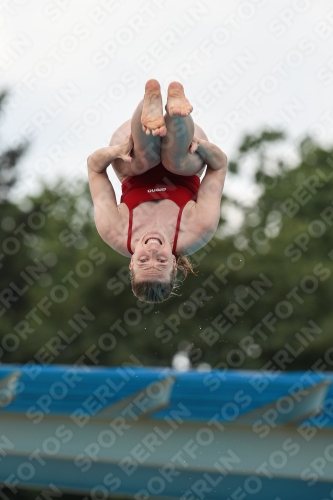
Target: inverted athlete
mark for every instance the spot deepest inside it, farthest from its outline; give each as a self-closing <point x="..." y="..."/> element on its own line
<point x="165" y="212"/>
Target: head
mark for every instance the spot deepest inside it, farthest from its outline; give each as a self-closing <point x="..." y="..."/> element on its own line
<point x="153" y="268"/>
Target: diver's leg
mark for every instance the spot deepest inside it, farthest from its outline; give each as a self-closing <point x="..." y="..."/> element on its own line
<point x="146" y="126"/>
<point x="175" y="155"/>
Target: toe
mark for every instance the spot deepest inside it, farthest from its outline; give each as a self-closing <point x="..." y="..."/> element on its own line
<point x="152" y="85"/>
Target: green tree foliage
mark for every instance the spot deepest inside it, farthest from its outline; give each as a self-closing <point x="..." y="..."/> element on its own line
<point x="9" y="159"/>
<point x="261" y="296"/>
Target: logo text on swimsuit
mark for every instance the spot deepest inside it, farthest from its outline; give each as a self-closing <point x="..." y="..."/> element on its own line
<point x="156" y="189"/>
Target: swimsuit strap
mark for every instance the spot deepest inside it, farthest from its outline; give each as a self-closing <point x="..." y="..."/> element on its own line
<point x="130" y="224"/>
<point x="129" y="236"/>
<point x="177" y="230"/>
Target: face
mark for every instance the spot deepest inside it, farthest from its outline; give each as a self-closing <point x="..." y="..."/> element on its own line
<point x="153" y="259"/>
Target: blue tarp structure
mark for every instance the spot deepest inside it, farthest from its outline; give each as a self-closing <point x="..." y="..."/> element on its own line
<point x="160" y="433"/>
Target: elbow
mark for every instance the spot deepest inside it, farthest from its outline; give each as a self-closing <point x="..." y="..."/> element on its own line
<point x="220" y="162"/>
<point x="224" y="162"/>
<point x="91" y="162"/>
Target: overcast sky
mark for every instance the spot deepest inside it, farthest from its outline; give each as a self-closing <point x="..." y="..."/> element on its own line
<point x="76" y="71"/>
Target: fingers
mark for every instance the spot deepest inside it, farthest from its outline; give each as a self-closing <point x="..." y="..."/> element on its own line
<point x="193" y="146"/>
<point x="126" y="158"/>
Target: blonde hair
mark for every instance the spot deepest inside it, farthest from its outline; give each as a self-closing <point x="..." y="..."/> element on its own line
<point x="159" y="291"/>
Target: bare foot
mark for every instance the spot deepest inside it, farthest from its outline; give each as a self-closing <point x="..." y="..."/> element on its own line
<point x="152" y="111"/>
<point x="177" y="104"/>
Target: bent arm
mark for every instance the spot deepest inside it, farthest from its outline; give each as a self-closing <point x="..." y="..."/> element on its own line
<point x="104" y="199"/>
<point x="207" y="209"/>
<point x="211" y="154"/>
<point x="208" y="204"/>
<point x="107" y="217"/>
<point x="211" y="188"/>
<point x="210" y="192"/>
<point x="100" y="187"/>
<point x="102" y="158"/>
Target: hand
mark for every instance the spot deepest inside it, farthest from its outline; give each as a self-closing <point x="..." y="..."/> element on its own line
<point x="194" y="145"/>
<point x="125" y="148"/>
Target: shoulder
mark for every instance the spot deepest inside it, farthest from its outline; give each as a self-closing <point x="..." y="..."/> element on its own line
<point x="201" y="218"/>
<point x="198" y="228"/>
<point x="113" y="228"/>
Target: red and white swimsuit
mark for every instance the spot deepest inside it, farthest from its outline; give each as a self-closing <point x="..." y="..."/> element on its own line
<point x="156" y="184"/>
